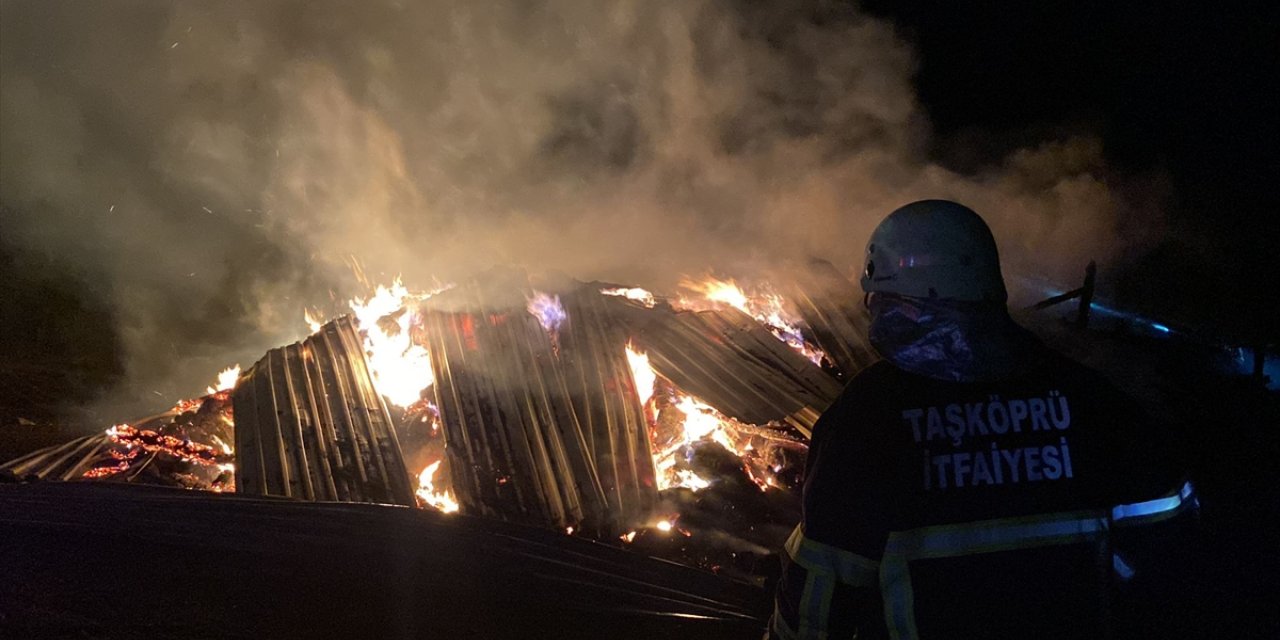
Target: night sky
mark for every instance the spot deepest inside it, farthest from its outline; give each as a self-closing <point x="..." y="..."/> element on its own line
<point x="1177" y="88"/>
<point x="1178" y="97"/>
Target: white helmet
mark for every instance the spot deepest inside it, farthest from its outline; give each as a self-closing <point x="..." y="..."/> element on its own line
<point x="934" y="249"/>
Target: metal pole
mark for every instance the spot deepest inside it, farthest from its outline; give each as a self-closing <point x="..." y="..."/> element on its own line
<point x="1086" y="295"/>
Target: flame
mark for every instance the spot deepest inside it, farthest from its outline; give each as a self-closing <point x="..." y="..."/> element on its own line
<point x="642" y="373"/>
<point x="442" y="500"/>
<point x="766" y="306"/>
<point x="664" y="525"/>
<point x="226" y="448"/>
<point x="635" y="294"/>
<point x="188" y="404"/>
<point x="668" y="524"/>
<point x="548" y="311"/>
<point x="401" y="369"/>
<point x="226" y="380"/>
<point x="699" y="423"/>
<point x="719" y="291"/>
<point x="314" y="321"/>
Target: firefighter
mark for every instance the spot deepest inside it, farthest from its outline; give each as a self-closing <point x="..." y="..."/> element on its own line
<point x="973" y="483"/>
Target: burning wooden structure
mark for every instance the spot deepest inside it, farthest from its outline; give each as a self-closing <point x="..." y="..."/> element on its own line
<point x="579" y="410"/>
<point x="541" y="424"/>
<point x="310" y="425"/>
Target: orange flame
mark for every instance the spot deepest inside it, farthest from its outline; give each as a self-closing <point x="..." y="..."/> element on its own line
<point x="766" y="306"/>
<point x="226" y="380"/>
<point x="635" y="294"/>
<point x="701" y="423"/>
<point x="443" y="499"/>
<point x="401" y="369"/>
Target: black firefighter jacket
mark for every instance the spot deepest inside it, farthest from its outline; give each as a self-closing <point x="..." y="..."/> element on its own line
<point x="1037" y="507"/>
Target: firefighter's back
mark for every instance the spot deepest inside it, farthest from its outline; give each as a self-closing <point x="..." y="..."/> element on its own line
<point x="1009" y="508"/>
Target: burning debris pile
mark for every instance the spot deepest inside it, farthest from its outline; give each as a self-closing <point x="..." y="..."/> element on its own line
<point x="676" y="425"/>
<point x="186" y="446"/>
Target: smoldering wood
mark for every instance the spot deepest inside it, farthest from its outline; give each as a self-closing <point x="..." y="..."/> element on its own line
<point x="309" y="425"/>
<point x="100" y="452"/>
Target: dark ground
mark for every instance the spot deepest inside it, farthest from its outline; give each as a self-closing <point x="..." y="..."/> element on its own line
<point x="84" y="560"/>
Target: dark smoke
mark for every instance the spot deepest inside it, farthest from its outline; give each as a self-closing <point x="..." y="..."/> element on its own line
<point x="214" y="167"/>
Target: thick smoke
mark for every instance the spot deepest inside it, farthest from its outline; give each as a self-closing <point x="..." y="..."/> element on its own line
<point x="217" y="166"/>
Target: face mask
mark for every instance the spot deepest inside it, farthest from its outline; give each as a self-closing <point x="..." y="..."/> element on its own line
<point x="948" y="340"/>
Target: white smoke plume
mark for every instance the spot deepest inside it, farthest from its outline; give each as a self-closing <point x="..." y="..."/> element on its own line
<point x="217" y="166"/>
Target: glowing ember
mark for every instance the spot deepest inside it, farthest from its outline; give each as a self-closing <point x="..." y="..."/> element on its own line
<point x="442" y="500"/>
<point x="188" y="404"/>
<point x="635" y="294"/>
<point x="766" y="306"/>
<point x="102" y="472"/>
<point x="628" y="537"/>
<point x="668" y="524"/>
<point x="153" y="441"/>
<point x="547" y="310"/>
<point x="401" y="369"/>
<point x="690" y="480"/>
<point x="226" y="380"/>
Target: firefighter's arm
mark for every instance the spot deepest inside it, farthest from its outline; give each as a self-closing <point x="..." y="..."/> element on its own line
<point x="830" y="581"/>
<point x="826" y="592"/>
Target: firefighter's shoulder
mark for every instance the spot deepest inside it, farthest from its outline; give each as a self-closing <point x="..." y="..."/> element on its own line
<point x="871" y="379"/>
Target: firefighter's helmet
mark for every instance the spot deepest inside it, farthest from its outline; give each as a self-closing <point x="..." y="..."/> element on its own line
<point x="934" y="249"/>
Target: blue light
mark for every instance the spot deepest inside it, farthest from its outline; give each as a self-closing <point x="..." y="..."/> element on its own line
<point x="1122" y="568"/>
<point x="1147" y="508"/>
<point x="1159" y="505"/>
<point x="1159" y="327"/>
